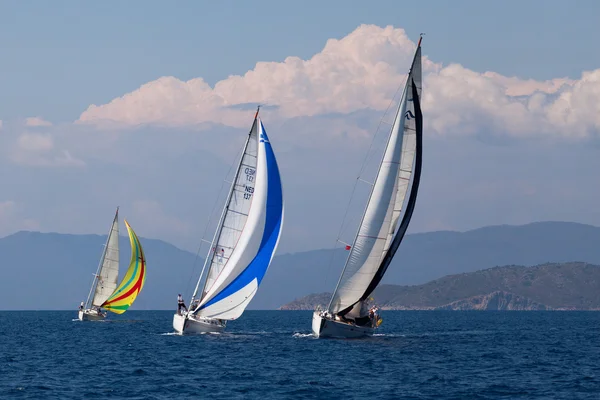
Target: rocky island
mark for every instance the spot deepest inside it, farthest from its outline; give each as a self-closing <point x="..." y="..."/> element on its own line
<point x="552" y="286"/>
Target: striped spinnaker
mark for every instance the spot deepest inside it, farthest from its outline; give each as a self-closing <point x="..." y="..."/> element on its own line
<point x="133" y="282"/>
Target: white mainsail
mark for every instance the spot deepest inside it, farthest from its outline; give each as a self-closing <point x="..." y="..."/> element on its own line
<point x="380" y="220"/>
<point x="107" y="277"/>
<point x="247" y="234"/>
<point x="236" y="211"/>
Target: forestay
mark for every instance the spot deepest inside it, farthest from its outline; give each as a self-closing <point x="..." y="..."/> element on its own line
<point x="380" y="220"/>
<point x="248" y="234"/>
<point x="107" y="278"/>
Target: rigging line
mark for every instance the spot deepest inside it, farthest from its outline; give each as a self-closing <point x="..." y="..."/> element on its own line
<point x="358" y="178"/>
<point x="203" y="239"/>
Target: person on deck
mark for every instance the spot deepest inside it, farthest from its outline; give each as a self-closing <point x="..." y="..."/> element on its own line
<point x="81" y="306"/>
<point x="373" y="316"/>
<point x="180" y="304"/>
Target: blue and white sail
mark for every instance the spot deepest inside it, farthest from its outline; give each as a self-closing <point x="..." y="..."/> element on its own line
<point x="248" y="232"/>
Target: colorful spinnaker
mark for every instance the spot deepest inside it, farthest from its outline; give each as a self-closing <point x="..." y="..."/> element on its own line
<point x="133" y="282"/>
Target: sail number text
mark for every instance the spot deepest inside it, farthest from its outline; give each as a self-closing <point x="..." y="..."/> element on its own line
<point x="250" y="174"/>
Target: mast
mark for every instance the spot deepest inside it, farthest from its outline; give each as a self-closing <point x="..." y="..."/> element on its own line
<point x="250" y="233"/>
<point x="211" y="252"/>
<point x="372" y="245"/>
<point x="95" y="281"/>
<point x="411" y="200"/>
<point x="365" y="210"/>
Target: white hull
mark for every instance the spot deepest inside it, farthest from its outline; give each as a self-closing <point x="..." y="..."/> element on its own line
<point x="324" y="327"/>
<point x="90" y="315"/>
<point x="194" y="325"/>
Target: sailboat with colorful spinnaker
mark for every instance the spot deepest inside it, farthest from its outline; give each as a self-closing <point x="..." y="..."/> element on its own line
<point x="244" y="243"/>
<point x="393" y="195"/>
<point x="107" y="295"/>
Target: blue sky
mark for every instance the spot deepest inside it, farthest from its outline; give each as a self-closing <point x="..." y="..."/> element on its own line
<point x="512" y="125"/>
<point x="57" y="58"/>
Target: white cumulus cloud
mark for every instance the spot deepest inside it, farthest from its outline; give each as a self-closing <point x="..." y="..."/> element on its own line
<point x="363" y="71"/>
<point x="37" y="121"/>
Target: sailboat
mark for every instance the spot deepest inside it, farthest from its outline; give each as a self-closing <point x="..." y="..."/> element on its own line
<point x="381" y="230"/>
<point x="244" y="243"/>
<point x="104" y="286"/>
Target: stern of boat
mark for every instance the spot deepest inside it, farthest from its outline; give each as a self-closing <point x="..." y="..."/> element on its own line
<point x="90" y="315"/>
<point x="325" y="327"/>
<point x="194" y="325"/>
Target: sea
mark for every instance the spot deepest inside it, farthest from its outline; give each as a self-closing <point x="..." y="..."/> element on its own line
<point x="272" y="355"/>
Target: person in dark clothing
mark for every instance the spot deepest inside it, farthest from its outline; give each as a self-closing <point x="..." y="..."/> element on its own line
<point x="180" y="304"/>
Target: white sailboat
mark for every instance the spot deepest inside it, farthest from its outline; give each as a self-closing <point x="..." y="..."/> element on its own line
<point x="381" y="229"/>
<point x="244" y="243"/>
<point x="105" y="278"/>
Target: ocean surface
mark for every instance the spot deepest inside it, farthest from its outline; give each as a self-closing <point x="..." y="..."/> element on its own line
<point x="271" y="355"/>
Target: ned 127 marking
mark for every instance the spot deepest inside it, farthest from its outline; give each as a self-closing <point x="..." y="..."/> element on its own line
<point x="248" y="192"/>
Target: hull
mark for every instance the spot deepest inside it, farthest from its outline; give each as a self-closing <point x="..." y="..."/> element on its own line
<point x="324" y="327"/>
<point x="193" y="325"/>
<point x="90" y="315"/>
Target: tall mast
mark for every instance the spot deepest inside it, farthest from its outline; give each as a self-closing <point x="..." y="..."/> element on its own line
<point x="410" y="207"/>
<point x="95" y="281"/>
<point x="400" y="105"/>
<point x="364" y="212"/>
<point x="217" y="234"/>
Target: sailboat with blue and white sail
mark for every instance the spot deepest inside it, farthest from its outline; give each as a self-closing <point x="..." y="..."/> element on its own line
<point x="381" y="229"/>
<point x="244" y="243"/>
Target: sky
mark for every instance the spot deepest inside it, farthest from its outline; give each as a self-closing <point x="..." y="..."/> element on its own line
<point x="145" y="105"/>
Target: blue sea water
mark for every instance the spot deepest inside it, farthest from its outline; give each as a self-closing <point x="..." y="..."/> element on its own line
<point x="271" y="355"/>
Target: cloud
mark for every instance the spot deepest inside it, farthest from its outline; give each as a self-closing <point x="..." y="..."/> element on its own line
<point x="34" y="142"/>
<point x="321" y="114"/>
<point x="37" y="121"/>
<point x="363" y="71"/>
<point x="460" y="101"/>
<point x="36" y="149"/>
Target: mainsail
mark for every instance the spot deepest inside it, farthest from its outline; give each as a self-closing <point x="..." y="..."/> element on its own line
<point x="379" y="234"/>
<point x="247" y="234"/>
<point x="133" y="281"/>
<point x="106" y="280"/>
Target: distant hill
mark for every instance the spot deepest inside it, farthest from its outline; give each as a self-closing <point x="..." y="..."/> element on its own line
<point x="54" y="271"/>
<point x="570" y="286"/>
<point x="424" y="257"/>
<point x="43" y="271"/>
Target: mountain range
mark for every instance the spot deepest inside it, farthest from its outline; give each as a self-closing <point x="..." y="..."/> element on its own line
<point x="54" y="271"/>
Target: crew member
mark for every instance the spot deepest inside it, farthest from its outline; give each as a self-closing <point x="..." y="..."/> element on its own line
<point x="180" y="304"/>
